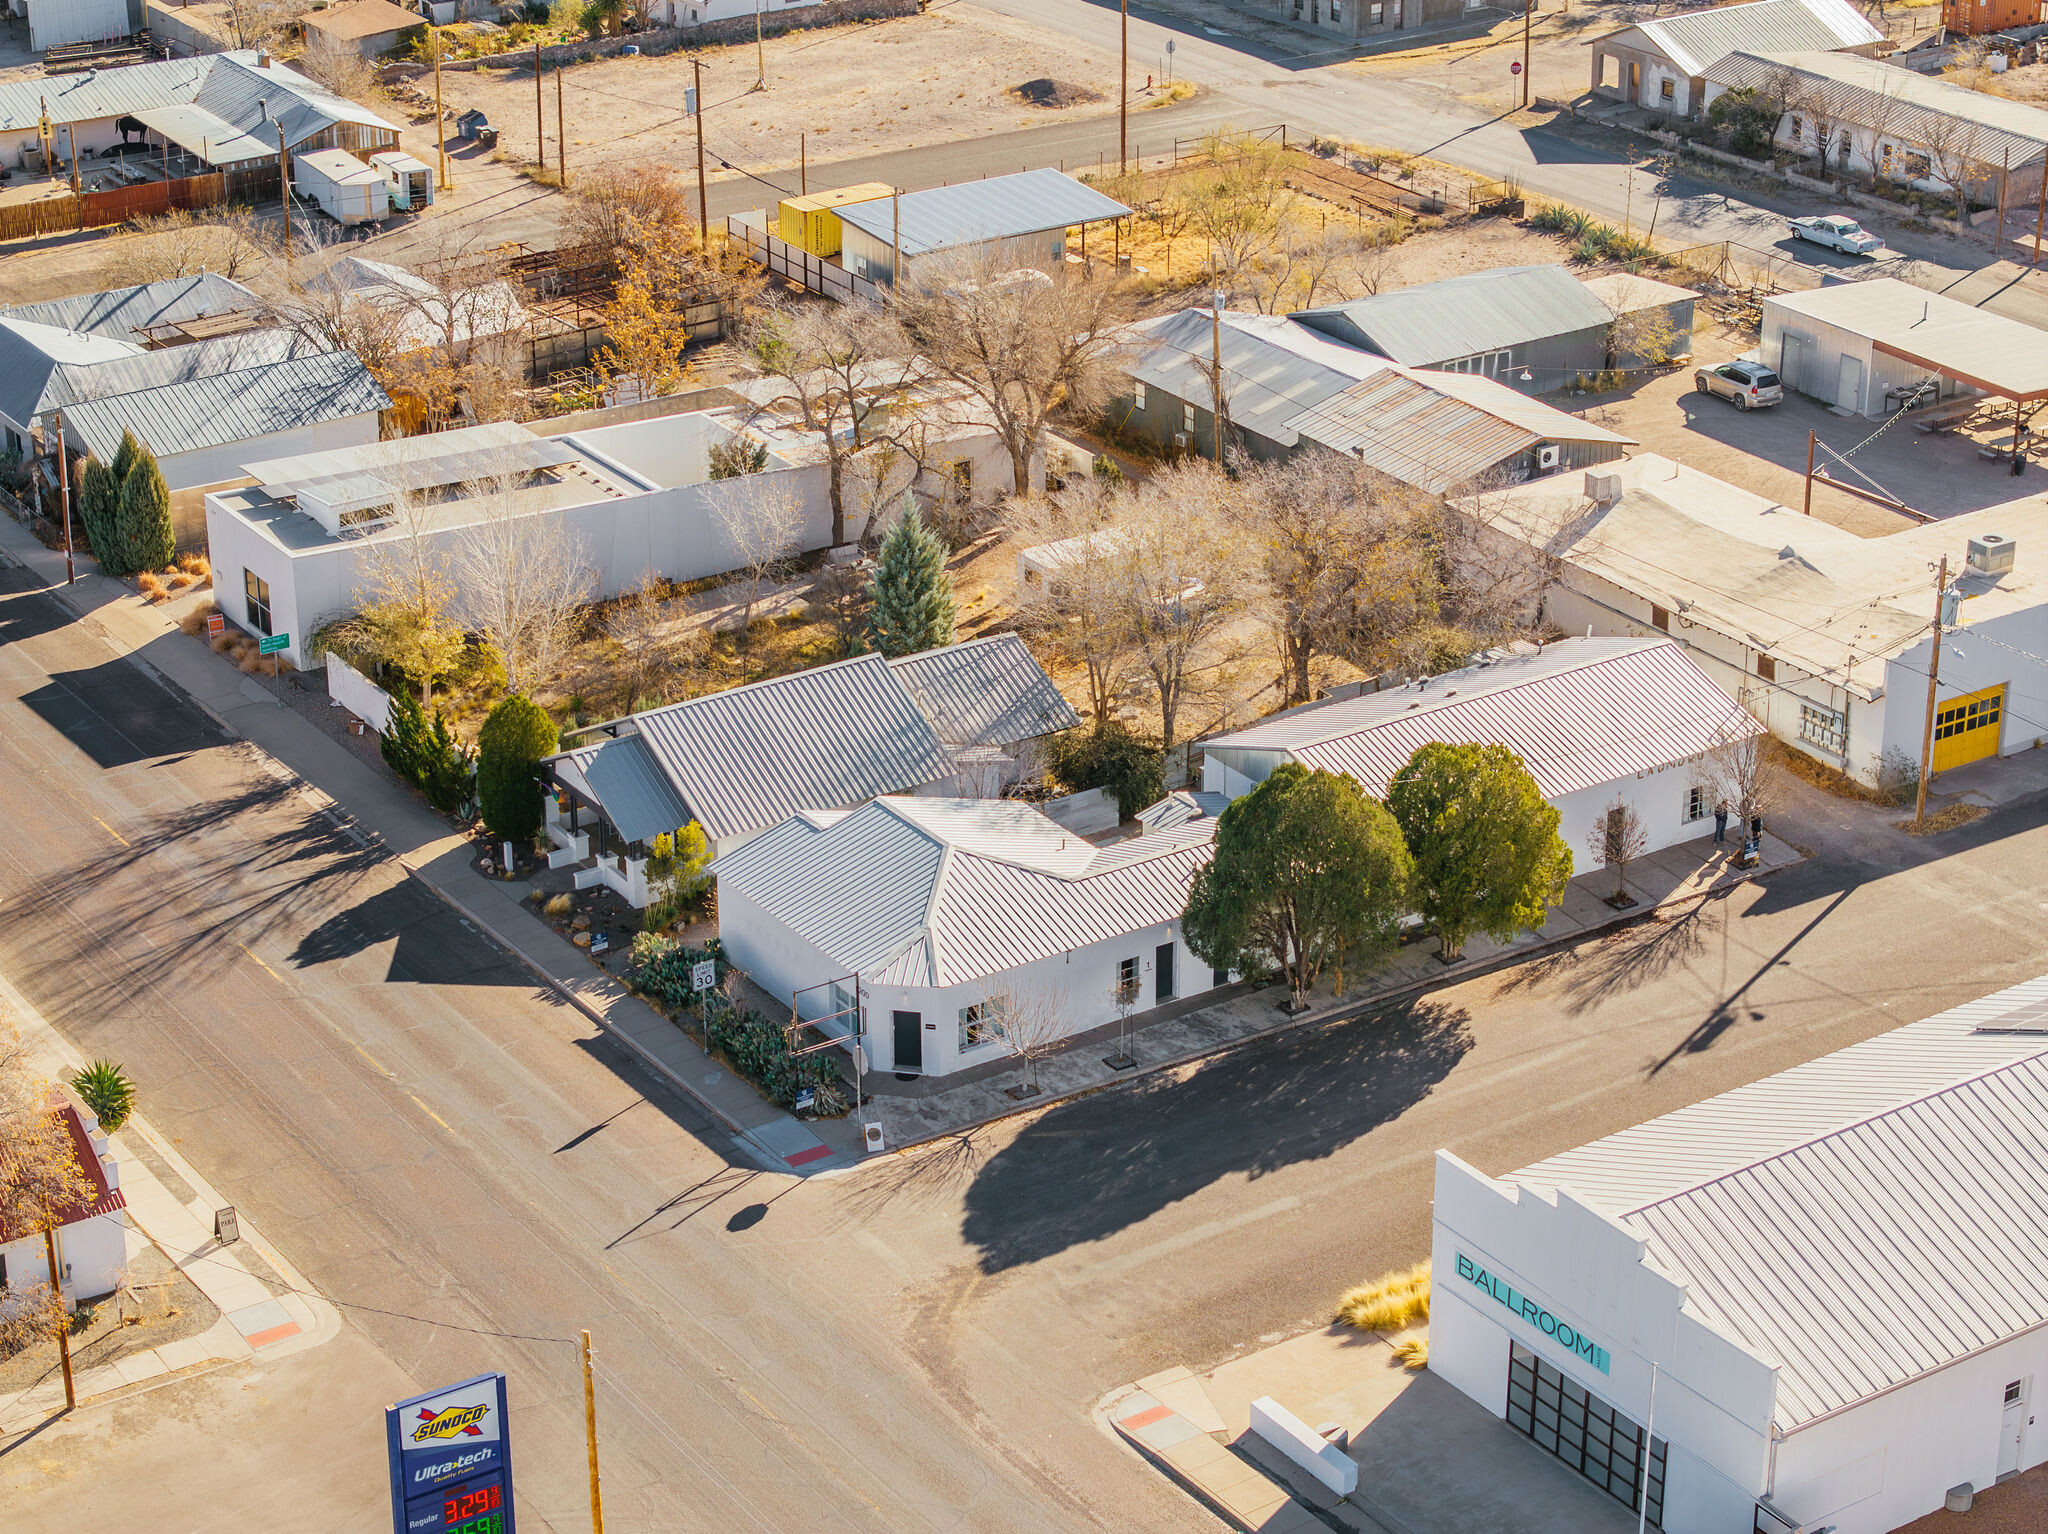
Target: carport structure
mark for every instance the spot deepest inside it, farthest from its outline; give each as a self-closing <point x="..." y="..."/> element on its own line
<point x="1875" y="347"/>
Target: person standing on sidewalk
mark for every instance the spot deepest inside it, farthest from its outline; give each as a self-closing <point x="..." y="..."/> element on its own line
<point x="1721" y="821"/>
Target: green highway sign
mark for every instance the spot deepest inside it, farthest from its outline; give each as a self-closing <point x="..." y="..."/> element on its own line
<point x="270" y="644"/>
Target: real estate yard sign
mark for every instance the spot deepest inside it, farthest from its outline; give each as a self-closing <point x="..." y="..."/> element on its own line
<point x="451" y="1460"/>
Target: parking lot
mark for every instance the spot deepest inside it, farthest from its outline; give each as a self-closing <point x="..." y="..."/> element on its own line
<point x="1765" y="450"/>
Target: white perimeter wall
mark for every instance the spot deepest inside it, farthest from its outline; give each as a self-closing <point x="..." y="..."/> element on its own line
<point x="1714" y="1398"/>
<point x="52" y="23"/>
<point x="1970" y="663"/>
<point x="95" y="1251"/>
<point x="782" y="962"/>
<point x="208" y="466"/>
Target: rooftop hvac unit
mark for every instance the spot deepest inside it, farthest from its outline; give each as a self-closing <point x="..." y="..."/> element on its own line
<point x="1549" y="456"/>
<point x="1992" y="554"/>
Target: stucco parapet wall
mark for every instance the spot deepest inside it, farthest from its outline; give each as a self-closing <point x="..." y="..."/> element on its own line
<point x="734" y="29"/>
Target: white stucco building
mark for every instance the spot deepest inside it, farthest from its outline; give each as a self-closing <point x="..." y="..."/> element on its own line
<point x="1659" y="64"/>
<point x="1832" y="1279"/>
<point x="91" y="1240"/>
<point x="1824" y="636"/>
<point x="932" y="915"/>
<point x="1598" y="723"/>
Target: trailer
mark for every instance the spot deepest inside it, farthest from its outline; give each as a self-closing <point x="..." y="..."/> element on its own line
<point x="341" y="186"/>
<point x="411" y="181"/>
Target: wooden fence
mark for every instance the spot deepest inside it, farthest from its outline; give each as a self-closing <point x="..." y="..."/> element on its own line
<point x="68" y="214"/>
<point x="793" y="263"/>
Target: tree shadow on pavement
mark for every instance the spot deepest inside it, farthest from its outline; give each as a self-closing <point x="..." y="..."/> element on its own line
<point x="1088" y="1170"/>
<point x="1591" y="974"/>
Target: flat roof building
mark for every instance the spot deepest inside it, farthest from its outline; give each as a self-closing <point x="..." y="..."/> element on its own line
<point x="1835" y="1280"/>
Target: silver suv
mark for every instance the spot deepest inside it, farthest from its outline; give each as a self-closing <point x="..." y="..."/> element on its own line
<point x="1749" y="384"/>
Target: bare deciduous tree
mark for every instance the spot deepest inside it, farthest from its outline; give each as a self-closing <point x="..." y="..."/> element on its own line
<point x="521" y="578"/>
<point x="613" y="208"/>
<point x="1616" y="840"/>
<point x="1032" y="1023"/>
<point x="1021" y="343"/>
<point x="1075" y="612"/>
<point x="338" y="64"/>
<point x="647" y="625"/>
<point x="40" y="1181"/>
<point x="1951" y="147"/>
<point x="1741" y="770"/>
<point x="762" y="519"/>
<point x="229" y="242"/>
<point x="1171" y="570"/>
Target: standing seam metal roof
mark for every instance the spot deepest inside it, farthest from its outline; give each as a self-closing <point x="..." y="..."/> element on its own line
<point x="1900" y="1176"/>
<point x="230" y="407"/>
<point x="1580" y="713"/>
<point x="1002" y="207"/>
<point x="623" y="776"/>
<point x="815" y="739"/>
<point x="227" y="84"/>
<point x="1702" y="38"/>
<point x="1460" y="316"/>
<point x="985" y="692"/>
<point x="121" y="312"/>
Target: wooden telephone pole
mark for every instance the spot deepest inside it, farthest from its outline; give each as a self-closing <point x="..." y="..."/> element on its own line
<point x="64" y="492"/>
<point x="284" y="185"/>
<point x="440" y="122"/>
<point x="561" y="135"/>
<point x="1933" y="676"/>
<point x="540" y="121"/>
<point x="1528" y="13"/>
<point x="703" y="202"/>
<point x="590" y="1430"/>
<point x="56" y="1277"/>
<point x="1123" y="95"/>
<point x="1216" y="361"/>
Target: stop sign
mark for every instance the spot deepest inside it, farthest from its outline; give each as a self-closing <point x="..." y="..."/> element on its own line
<point x="1515" y="68"/>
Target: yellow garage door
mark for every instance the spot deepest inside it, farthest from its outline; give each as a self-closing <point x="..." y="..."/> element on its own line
<point x="1966" y="730"/>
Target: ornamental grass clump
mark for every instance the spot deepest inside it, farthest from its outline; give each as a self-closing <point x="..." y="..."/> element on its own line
<point x="1389" y="1303"/>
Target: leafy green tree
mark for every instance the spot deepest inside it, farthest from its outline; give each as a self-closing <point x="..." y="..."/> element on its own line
<point x="509" y="748"/>
<point x="1308" y="872"/>
<point x="1487" y="854"/>
<point x="106" y="1089"/>
<point x="1110" y="757"/>
<point x="910" y="598"/>
<point x="675" y="874"/>
<point x="99" y="508"/>
<point x="143" y="530"/>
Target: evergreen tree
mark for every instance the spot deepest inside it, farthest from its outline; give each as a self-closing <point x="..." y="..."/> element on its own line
<point x="910" y="598"/>
<point x="509" y="748"/>
<point x="448" y="768"/>
<point x="125" y="456"/>
<point x="405" y="742"/>
<point x="144" y="530"/>
<point x="99" y="509"/>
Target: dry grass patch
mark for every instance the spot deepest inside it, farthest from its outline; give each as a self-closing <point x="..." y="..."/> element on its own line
<point x="1413" y="1352"/>
<point x="1945" y="819"/>
<point x="1389" y="1303"/>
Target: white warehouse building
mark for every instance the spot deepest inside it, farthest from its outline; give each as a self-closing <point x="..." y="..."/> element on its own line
<point x="1596" y="721"/>
<point x="1821" y="1297"/>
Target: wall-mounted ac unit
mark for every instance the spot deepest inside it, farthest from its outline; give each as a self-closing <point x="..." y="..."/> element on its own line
<point x="1549" y="456"/>
<point x="1180" y="442"/>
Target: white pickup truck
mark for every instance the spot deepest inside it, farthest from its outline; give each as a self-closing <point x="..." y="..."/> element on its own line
<point x="1837" y="233"/>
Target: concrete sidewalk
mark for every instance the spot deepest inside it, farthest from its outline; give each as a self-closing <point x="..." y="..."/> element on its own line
<point x="376" y="811"/>
<point x="1430" y="1460"/>
<point x="253" y="1317"/>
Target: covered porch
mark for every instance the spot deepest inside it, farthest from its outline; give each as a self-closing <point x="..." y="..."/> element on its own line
<point x="606" y="803"/>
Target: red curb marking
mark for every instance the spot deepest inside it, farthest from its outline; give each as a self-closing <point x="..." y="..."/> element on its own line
<point x="272" y="1334"/>
<point x="1147" y="1418"/>
<point x="812" y="1154"/>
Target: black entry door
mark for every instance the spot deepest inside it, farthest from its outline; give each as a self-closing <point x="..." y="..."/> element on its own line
<point x="1162" y="973"/>
<point x="909" y="1041"/>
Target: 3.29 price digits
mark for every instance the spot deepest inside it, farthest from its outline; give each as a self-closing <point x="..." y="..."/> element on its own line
<point x="475" y="1512"/>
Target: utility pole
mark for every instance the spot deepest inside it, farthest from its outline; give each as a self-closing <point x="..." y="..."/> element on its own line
<point x="803" y="165"/>
<point x="561" y="135"/>
<point x="64" y="491"/>
<point x="57" y="1283"/>
<point x="1123" y="95"/>
<point x="1933" y="675"/>
<point x="895" y="237"/>
<point x="703" y="201"/>
<point x="284" y="185"/>
<point x="1216" y="362"/>
<point x="590" y="1431"/>
<point x="1528" y="11"/>
<point x="1809" y="474"/>
<point x="760" y="58"/>
<point x="540" y="121"/>
<point x="440" y="121"/>
<point x="2040" y="208"/>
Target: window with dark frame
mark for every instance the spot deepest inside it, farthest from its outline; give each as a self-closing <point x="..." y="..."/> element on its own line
<point x="257" y="590"/>
<point x="1695" y="803"/>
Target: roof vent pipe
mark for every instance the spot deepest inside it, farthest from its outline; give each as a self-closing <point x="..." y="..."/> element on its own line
<point x="263" y="109"/>
<point x="262" y="61"/>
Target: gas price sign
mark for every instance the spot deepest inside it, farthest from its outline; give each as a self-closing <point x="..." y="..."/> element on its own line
<point x="451" y="1460"/>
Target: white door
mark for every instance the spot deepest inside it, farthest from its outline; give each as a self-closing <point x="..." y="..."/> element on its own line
<point x="1791" y="361"/>
<point x="1849" y="383"/>
<point x="2011" y="1427"/>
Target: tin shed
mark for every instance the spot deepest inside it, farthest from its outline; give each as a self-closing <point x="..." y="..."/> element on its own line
<point x="341" y="186"/>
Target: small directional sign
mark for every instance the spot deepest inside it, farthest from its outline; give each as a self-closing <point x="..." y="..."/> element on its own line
<point x="270" y="644"/>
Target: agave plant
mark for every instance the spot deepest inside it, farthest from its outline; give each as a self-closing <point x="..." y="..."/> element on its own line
<point x="104" y="1088"/>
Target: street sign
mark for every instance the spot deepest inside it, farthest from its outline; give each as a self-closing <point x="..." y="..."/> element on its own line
<point x="1515" y="68"/>
<point x="270" y="644"/>
<point x="451" y="1460"/>
<point x="703" y="975"/>
<point x="1169" y="45"/>
<point x="216" y="625"/>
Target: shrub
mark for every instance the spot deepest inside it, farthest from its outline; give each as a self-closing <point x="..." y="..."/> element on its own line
<point x="648" y="946"/>
<point x="1413" y="1352"/>
<point x="1389" y="1303"/>
<point x="447" y="767"/>
<point x="403" y="745"/>
<point x="1113" y="758"/>
<point x="562" y="905"/>
<point x="195" y="564"/>
<point x="104" y="1088"/>
<point x="757" y="1048"/>
<point x="152" y="586"/>
<point x="509" y="748"/>
<point x="220" y="644"/>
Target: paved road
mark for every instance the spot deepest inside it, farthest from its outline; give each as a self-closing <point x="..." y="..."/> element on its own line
<point x="393" y="1102"/>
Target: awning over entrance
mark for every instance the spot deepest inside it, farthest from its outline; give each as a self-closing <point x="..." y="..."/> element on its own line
<point x="1986" y="351"/>
<point x="197" y="131"/>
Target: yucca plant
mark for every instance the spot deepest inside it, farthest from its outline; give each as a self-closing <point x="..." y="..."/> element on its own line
<point x="106" y="1089"/>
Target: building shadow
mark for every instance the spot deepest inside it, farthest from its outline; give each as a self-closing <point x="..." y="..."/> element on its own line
<point x="1111" y="1160"/>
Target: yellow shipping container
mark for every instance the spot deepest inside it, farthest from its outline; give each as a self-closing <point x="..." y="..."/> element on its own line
<point x="809" y="223"/>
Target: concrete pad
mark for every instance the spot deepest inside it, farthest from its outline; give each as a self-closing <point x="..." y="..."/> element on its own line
<point x="259" y="1318"/>
<point x="1187" y="1397"/>
<point x="137" y="1367"/>
<point x="1291" y="1519"/>
<point x="1166" y="1432"/>
<point x="1233" y="1471"/>
<point x="184" y="1353"/>
<point x="1195" y="1455"/>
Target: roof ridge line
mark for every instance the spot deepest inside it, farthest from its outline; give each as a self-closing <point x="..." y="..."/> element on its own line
<point x="1841" y="1129"/>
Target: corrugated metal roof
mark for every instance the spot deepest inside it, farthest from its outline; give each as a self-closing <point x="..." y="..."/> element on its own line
<point x="1180" y="807"/>
<point x="1401" y="427"/>
<point x="93" y="93"/>
<point x="1002" y="207"/>
<point x="1912" y="107"/>
<point x="230" y="407"/>
<point x="622" y="776"/>
<point x="940" y="892"/>
<point x="200" y="132"/>
<point x="816" y="739"/>
<point x="1272" y="369"/>
<point x="120" y="312"/>
<point x="2009" y="357"/>
<point x="985" y="692"/>
<point x="1808" y="1211"/>
<point x="42" y="368"/>
<point x="1695" y="40"/>
<point x="1517" y="408"/>
<point x="1579" y="713"/>
<point x="229" y="85"/>
<point x="31" y="356"/>
<point x="1460" y="316"/>
<point x="1632" y="293"/>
